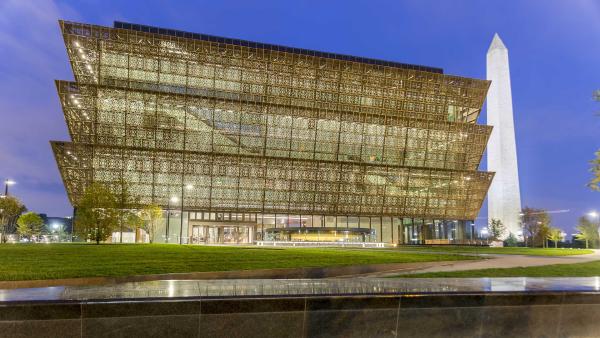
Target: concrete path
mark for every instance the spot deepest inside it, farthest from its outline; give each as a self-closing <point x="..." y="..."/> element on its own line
<point x="492" y="261"/>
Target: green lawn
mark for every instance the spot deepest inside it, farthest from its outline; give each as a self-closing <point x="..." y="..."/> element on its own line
<point x="50" y="261"/>
<point x="506" y="251"/>
<point x="589" y="269"/>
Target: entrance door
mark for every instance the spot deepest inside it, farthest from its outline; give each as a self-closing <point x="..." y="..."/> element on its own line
<point x="221" y="234"/>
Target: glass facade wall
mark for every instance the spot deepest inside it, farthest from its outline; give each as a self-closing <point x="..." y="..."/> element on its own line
<point x="246" y="228"/>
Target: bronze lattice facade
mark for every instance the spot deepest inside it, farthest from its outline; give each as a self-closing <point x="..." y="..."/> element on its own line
<point x="231" y="126"/>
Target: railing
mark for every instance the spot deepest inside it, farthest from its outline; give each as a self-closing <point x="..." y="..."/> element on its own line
<point x="330" y="244"/>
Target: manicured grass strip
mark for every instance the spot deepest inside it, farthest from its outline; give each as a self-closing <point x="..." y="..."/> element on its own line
<point x="589" y="269"/>
<point x="51" y="261"/>
<point x="505" y="251"/>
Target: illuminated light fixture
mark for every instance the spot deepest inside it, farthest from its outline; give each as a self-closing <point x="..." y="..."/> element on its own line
<point x="468" y="178"/>
<point x="76" y="44"/>
<point x="174" y="199"/>
<point x="189" y="186"/>
<point x="593" y="214"/>
<point x="9" y="182"/>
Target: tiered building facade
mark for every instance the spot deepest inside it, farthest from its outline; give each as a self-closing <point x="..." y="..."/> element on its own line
<point x="246" y="141"/>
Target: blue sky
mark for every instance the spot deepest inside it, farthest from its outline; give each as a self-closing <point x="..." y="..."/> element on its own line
<point x="554" y="50"/>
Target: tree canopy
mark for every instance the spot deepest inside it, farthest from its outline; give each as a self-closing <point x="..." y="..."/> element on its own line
<point x="588" y="232"/>
<point x="10" y="209"/>
<point x="496" y="229"/>
<point x="555" y="235"/>
<point x="30" y="224"/>
<point x="151" y="214"/>
<point x="595" y="163"/>
<point x="536" y="226"/>
<point x="96" y="215"/>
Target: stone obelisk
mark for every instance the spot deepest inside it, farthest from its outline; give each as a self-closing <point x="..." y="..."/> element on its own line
<point x="504" y="196"/>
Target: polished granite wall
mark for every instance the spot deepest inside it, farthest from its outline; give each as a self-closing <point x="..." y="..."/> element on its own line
<point x="500" y="314"/>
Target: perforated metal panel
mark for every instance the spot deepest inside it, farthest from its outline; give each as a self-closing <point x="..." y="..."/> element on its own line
<point x="252" y="129"/>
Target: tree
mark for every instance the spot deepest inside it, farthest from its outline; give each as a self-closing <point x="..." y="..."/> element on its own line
<point x="10" y="209"/>
<point x="595" y="182"/>
<point x="588" y="232"/>
<point x="595" y="169"/>
<point x="511" y="240"/>
<point x="536" y="225"/>
<point x="30" y="224"/>
<point x="126" y="205"/>
<point x="555" y="235"/>
<point x="96" y="215"/>
<point x="496" y="229"/>
<point x="151" y="214"/>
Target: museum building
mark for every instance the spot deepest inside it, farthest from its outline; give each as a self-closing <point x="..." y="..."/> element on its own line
<point x="247" y="142"/>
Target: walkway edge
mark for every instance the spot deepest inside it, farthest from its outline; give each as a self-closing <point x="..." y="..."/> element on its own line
<point x="290" y="273"/>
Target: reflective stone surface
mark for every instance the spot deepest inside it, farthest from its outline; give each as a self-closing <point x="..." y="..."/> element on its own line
<point x="363" y="307"/>
<point x="291" y="287"/>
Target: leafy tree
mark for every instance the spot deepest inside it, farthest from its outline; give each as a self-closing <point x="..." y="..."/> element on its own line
<point x="588" y="232"/>
<point x="10" y="209"/>
<point x="151" y="214"/>
<point x="555" y="235"/>
<point x="96" y="215"/>
<point x="536" y="225"/>
<point x="595" y="182"/>
<point x="30" y="224"/>
<point x="595" y="169"/>
<point x="511" y="240"/>
<point x="496" y="229"/>
<point x="126" y="205"/>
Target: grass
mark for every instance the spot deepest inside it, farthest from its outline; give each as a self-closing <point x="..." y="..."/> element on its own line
<point x="51" y="261"/>
<point x="505" y="251"/>
<point x="589" y="269"/>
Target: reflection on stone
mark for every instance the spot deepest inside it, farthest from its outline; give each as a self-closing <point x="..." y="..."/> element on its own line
<point x="287" y="287"/>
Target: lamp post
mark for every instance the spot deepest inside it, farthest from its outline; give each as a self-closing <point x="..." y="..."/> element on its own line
<point x="173" y="199"/>
<point x="187" y="187"/>
<point x="7" y="182"/>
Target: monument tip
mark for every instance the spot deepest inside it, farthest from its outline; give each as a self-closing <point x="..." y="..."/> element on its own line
<point x="496" y="43"/>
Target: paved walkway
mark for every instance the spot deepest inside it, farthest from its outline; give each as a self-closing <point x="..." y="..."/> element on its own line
<point x="493" y="261"/>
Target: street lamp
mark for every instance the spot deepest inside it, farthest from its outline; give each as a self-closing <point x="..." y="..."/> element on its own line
<point x="7" y="182"/>
<point x="57" y="228"/>
<point x="188" y="187"/>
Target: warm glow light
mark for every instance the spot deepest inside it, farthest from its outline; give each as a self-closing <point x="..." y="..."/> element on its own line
<point x="174" y="199"/>
<point x="189" y="186"/>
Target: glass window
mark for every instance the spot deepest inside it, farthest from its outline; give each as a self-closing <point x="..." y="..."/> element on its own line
<point x="376" y="225"/>
<point x="386" y="230"/>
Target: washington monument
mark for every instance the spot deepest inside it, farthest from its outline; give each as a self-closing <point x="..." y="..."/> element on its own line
<point x="504" y="197"/>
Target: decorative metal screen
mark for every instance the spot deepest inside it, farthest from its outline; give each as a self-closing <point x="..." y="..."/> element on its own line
<point x="245" y="127"/>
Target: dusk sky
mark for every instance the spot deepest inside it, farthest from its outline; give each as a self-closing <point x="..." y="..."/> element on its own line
<point x="554" y="48"/>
